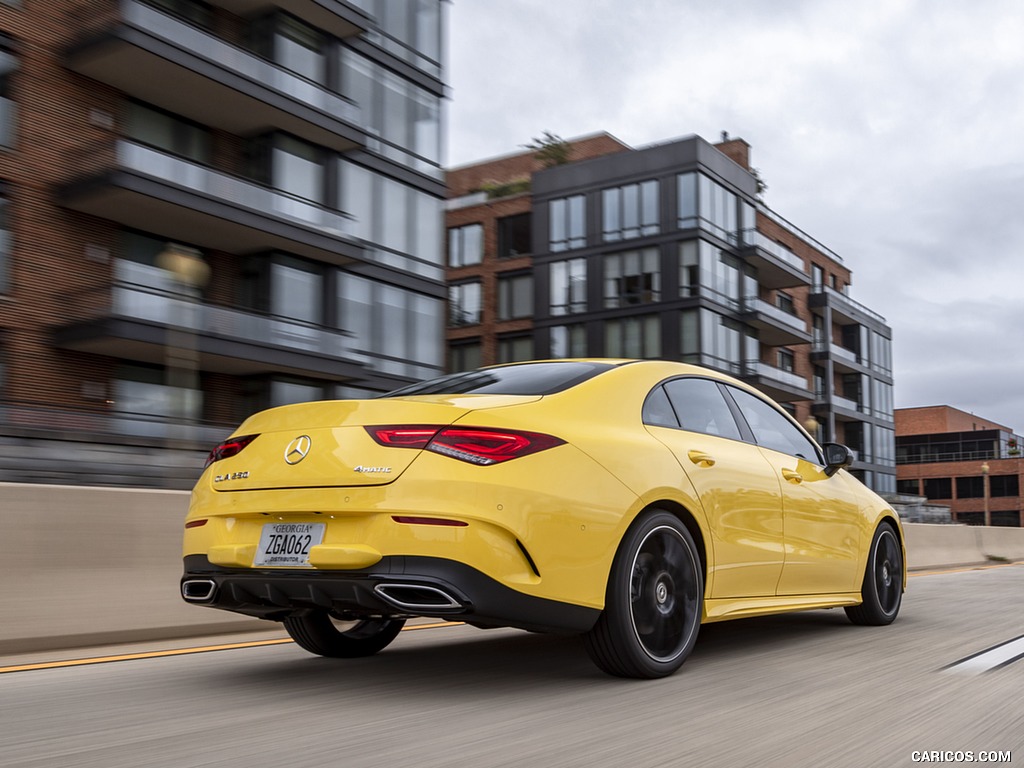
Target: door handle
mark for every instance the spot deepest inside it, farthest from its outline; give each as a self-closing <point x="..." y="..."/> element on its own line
<point x="701" y="459"/>
<point x="792" y="476"/>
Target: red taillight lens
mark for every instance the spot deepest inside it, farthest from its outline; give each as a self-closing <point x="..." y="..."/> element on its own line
<point x="476" y="445"/>
<point x="230" y="447"/>
<point x="403" y="437"/>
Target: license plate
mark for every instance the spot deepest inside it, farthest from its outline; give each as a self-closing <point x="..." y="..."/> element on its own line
<point x="288" y="544"/>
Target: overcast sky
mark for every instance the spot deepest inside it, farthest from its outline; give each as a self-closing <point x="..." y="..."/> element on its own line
<point x="890" y="130"/>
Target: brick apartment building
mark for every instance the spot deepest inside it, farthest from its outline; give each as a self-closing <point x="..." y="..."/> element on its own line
<point x="665" y="251"/>
<point x="960" y="460"/>
<point x="285" y="154"/>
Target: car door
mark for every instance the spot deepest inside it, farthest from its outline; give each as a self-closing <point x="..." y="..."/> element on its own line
<point x="823" y="524"/>
<point x="736" y="486"/>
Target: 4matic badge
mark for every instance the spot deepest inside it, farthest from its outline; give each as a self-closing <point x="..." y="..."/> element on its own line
<point x="372" y="470"/>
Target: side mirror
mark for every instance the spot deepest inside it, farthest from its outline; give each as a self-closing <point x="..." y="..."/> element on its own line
<point x="837" y="457"/>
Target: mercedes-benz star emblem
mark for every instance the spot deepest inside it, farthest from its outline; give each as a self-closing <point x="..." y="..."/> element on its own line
<point x="297" y="449"/>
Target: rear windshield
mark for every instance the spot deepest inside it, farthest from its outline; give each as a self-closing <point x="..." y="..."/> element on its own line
<point x="525" y="379"/>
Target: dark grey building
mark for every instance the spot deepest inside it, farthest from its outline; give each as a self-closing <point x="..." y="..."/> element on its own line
<point x="666" y="251"/>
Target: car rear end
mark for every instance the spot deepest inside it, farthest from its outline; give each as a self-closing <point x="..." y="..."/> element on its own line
<point x="432" y="505"/>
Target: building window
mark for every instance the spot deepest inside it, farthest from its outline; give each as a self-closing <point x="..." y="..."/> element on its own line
<point x="631" y="278"/>
<point x="938" y="487"/>
<point x="569" y="341"/>
<point x="8" y="109"/>
<point x="515" y="349"/>
<point x="784" y="360"/>
<point x="465" y="245"/>
<point x="970" y="487"/>
<point x="514" y="236"/>
<point x="633" y="337"/>
<point x="630" y="211"/>
<point x="392" y="215"/>
<point x="706" y="270"/>
<point x="168" y="132"/>
<point x="298" y="168"/>
<point x="785" y="302"/>
<point x="464" y="304"/>
<point x="706" y="203"/>
<point x="1000" y="486"/>
<point x="412" y="30"/>
<point x="568" y="223"/>
<point x="568" y="287"/>
<point x="464" y="357"/>
<point x="197" y="13"/>
<point x="5" y="241"/>
<point x="144" y="395"/>
<point x="286" y="391"/>
<point x="407" y="118"/>
<point x="909" y="487"/>
<point x="296" y="290"/>
<point x="817" y="278"/>
<point x="515" y="296"/>
<point x="388" y="321"/>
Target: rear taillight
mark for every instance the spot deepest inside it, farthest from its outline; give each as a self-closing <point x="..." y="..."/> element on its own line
<point x="230" y="447"/>
<point x="477" y="445"/>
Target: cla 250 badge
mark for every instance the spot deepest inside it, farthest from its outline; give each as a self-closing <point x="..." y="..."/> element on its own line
<point x="231" y="476"/>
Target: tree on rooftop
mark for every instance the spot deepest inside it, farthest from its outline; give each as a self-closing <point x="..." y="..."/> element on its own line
<point x="551" y="149"/>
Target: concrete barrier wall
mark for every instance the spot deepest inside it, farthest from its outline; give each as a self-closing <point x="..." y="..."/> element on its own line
<point x="88" y="566"/>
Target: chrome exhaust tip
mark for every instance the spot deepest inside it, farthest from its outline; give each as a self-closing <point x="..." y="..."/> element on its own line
<point x="198" y="590"/>
<point x="417" y="597"/>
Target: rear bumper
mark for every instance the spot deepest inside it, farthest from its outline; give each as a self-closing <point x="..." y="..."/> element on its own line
<point x="396" y="586"/>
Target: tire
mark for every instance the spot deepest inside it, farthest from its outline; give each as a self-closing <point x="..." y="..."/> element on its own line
<point x="318" y="633"/>
<point x="882" y="590"/>
<point x="653" y="603"/>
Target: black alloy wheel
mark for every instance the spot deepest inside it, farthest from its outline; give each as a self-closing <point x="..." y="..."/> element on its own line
<point x="882" y="590"/>
<point x="653" y="603"/>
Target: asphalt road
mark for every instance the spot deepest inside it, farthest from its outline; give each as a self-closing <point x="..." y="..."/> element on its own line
<point x="800" y="690"/>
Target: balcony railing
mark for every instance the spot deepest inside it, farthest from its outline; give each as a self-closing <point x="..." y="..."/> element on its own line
<point x="233" y="189"/>
<point x="754" y="238"/>
<point x="20" y="416"/>
<point x="770" y="372"/>
<point x="842" y="298"/>
<point x="183" y="35"/>
<point x="845" y="403"/>
<point x="137" y="294"/>
<point x="837" y="351"/>
<point x="755" y="304"/>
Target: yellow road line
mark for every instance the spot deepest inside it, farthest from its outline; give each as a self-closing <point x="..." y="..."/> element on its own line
<point x="965" y="569"/>
<point x="180" y="651"/>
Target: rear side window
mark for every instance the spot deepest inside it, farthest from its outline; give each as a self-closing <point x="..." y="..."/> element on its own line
<point x="698" y="406"/>
<point x="525" y="379"/>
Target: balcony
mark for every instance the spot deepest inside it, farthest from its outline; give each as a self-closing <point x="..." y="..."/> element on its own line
<point x="130" y="319"/>
<point x="844" y="309"/>
<point x="184" y="69"/>
<point x="777" y="266"/>
<point x="776" y="327"/>
<point x="173" y="197"/>
<point x="843" y="408"/>
<point x="843" y="359"/>
<point x="784" y="386"/>
<point x="335" y="17"/>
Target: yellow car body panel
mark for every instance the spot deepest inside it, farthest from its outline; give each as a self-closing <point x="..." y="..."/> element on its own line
<point x="775" y="533"/>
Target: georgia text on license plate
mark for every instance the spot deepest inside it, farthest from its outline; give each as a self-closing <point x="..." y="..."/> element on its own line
<point x="288" y="544"/>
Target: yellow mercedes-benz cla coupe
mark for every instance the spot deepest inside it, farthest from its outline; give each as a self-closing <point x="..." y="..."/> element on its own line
<point x="628" y="501"/>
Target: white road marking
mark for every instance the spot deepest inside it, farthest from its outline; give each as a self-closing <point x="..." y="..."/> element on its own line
<point x="997" y="656"/>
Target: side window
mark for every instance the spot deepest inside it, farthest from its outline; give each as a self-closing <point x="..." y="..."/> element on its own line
<point x="772" y="429"/>
<point x="658" y="410"/>
<point x="700" y="407"/>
